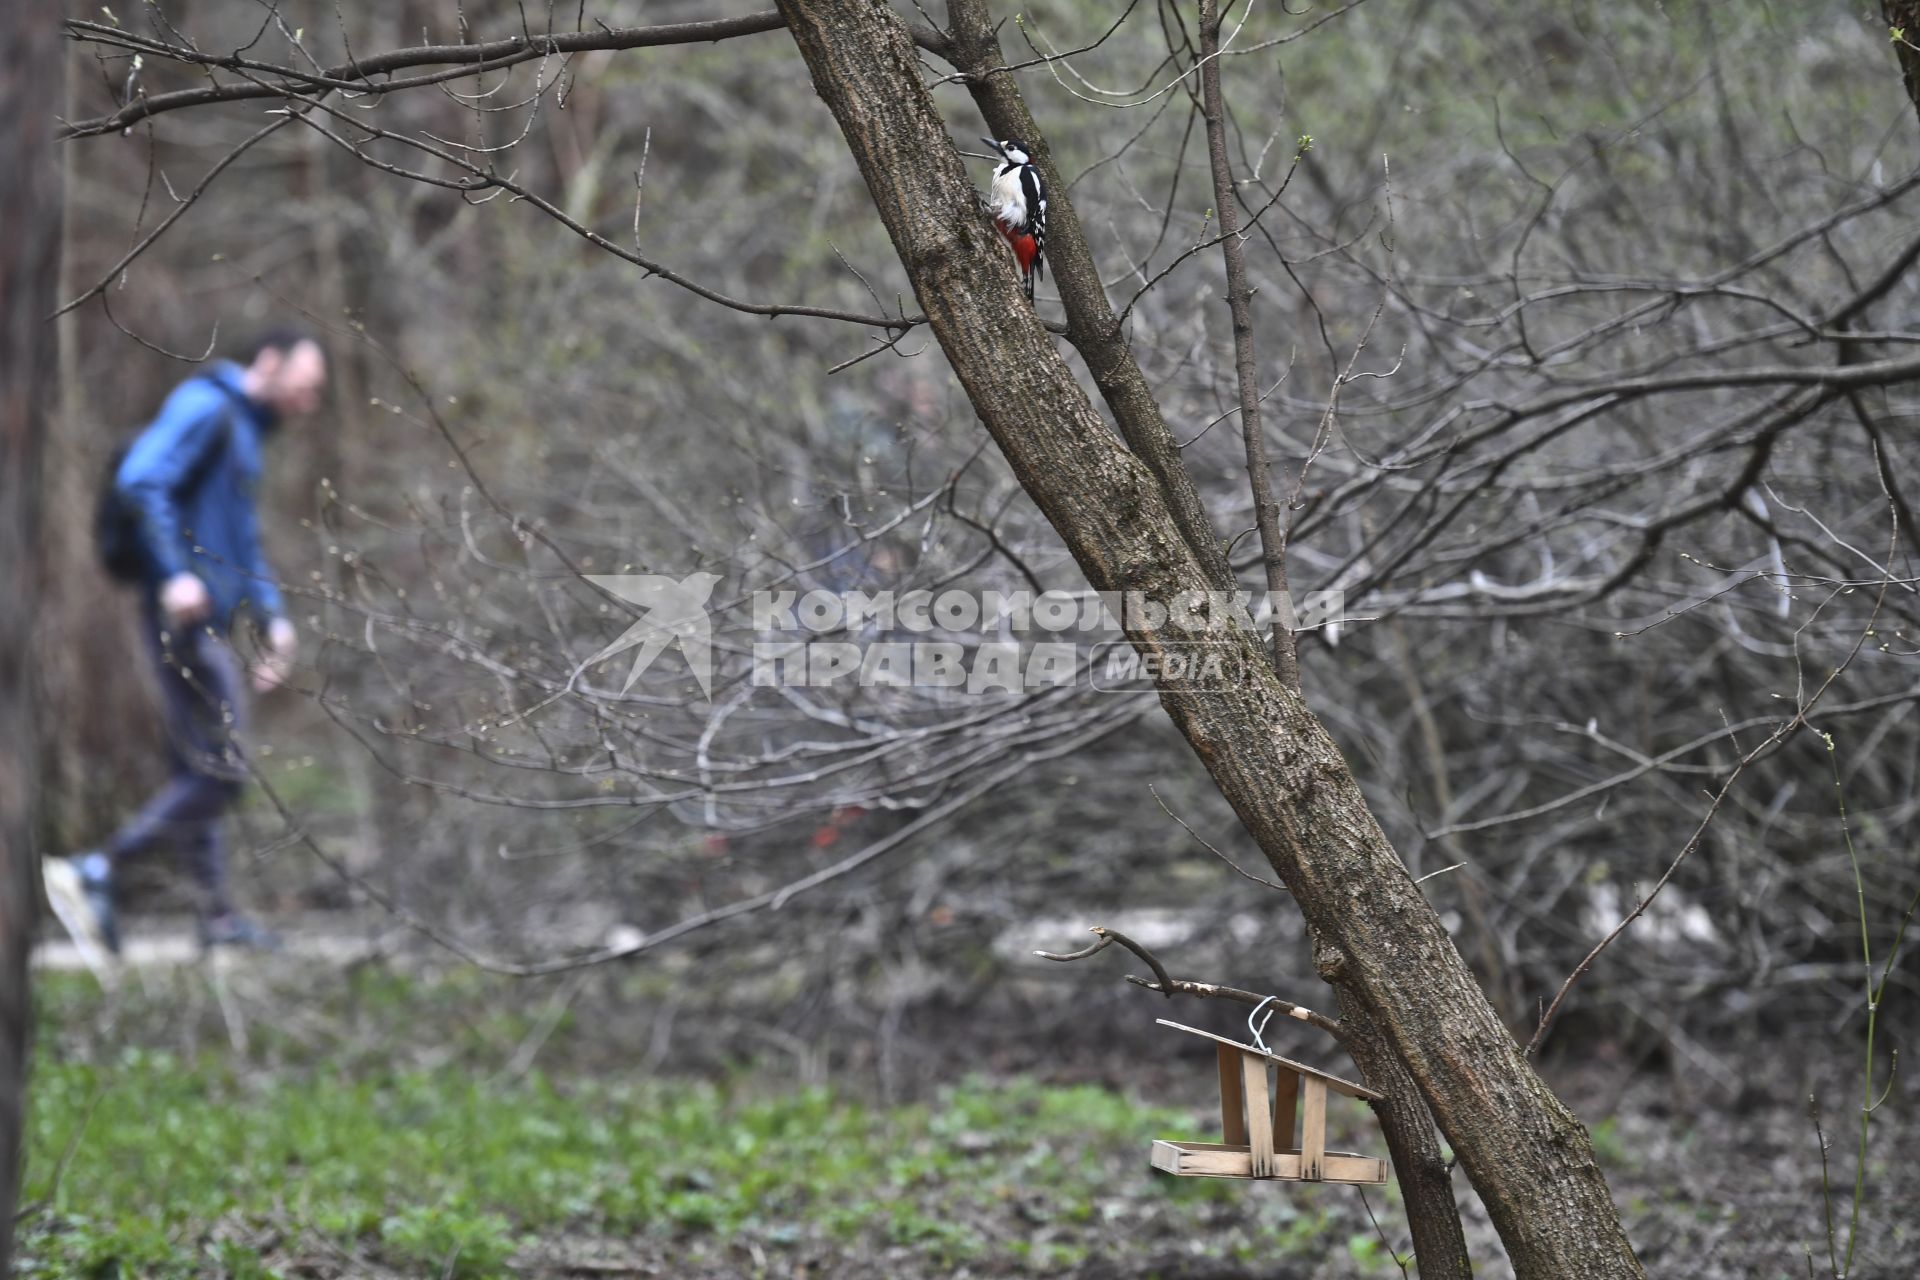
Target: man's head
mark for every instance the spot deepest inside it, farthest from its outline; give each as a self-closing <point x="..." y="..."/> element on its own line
<point x="286" y="371"/>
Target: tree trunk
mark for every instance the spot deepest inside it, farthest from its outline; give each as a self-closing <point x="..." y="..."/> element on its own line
<point x="1527" y="1156"/>
<point x="30" y="72"/>
<point x="1426" y="1181"/>
<point x="973" y="47"/>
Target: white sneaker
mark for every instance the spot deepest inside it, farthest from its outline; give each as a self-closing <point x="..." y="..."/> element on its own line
<point x="70" y="906"/>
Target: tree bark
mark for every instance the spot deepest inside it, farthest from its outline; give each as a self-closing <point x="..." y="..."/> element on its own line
<point x="1426" y="1181"/>
<point x="30" y="201"/>
<point x="1527" y="1156"/>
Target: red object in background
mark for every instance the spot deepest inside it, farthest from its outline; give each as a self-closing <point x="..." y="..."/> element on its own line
<point x="836" y="825"/>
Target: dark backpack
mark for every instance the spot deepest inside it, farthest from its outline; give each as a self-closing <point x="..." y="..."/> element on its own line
<point x="117" y="536"/>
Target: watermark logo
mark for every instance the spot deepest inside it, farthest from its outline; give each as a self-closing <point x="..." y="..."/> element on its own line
<point x="970" y="643"/>
<point x="675" y="612"/>
<point x="1198" y="668"/>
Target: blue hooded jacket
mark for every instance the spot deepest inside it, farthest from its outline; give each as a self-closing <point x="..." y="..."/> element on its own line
<point x="192" y="475"/>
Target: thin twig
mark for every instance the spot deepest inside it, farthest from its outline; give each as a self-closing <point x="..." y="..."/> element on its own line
<point x="1170" y="986"/>
<point x="1259" y="880"/>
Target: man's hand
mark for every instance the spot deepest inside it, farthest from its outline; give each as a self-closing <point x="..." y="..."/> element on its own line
<point x="184" y="601"/>
<point x="276" y="663"/>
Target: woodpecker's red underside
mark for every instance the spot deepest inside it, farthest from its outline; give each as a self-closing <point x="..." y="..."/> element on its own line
<point x="1025" y="247"/>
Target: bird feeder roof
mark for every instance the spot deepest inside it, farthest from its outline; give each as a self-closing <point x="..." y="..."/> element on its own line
<point x="1335" y="1083"/>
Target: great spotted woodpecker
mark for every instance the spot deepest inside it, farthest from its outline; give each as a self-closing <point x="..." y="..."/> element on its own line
<point x="1019" y="207"/>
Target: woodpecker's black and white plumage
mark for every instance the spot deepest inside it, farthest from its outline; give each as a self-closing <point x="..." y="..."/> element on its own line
<point x="1018" y="202"/>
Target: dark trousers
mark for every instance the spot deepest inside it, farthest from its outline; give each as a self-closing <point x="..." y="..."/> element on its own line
<point x="203" y="704"/>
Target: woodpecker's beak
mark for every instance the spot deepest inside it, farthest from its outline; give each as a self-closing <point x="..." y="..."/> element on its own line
<point x="996" y="146"/>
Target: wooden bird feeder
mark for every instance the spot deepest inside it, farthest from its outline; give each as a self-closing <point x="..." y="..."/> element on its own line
<point x="1259" y="1122"/>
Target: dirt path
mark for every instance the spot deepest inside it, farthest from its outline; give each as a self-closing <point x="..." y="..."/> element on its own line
<point x="168" y="943"/>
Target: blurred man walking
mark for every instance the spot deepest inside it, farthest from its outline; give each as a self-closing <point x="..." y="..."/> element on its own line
<point x="179" y="520"/>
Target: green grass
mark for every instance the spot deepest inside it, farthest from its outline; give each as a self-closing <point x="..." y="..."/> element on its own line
<point x="212" y="1164"/>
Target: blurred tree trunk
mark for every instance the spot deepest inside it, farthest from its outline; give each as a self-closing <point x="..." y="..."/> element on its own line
<point x="30" y="200"/>
<point x="101" y="754"/>
<point x="1384" y="948"/>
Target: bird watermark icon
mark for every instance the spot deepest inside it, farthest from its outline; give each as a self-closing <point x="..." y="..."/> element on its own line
<point x="675" y="611"/>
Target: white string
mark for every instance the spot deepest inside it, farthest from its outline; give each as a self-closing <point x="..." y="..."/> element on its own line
<point x="1259" y="1042"/>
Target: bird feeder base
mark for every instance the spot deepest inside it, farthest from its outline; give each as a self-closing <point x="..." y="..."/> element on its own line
<point x="1235" y="1160"/>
